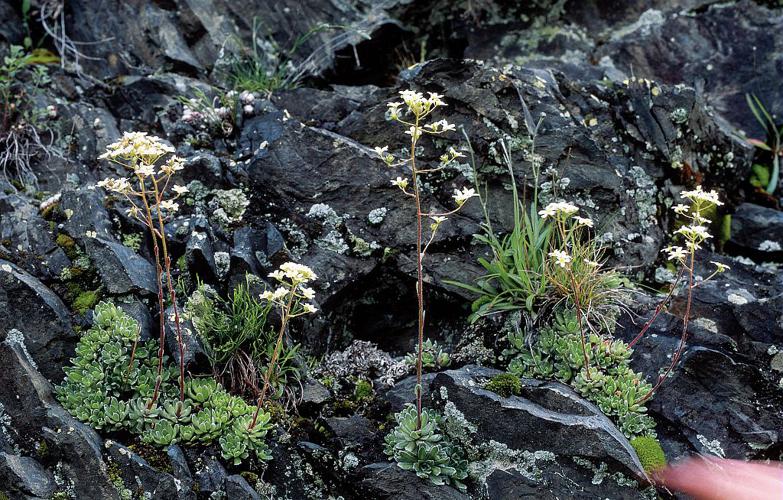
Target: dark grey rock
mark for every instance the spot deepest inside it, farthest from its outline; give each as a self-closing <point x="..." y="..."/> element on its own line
<point x="196" y="358"/>
<point x="403" y="392"/>
<point x="676" y="48"/>
<point x="727" y="369"/>
<point x="28" y="237"/>
<point x="136" y="474"/>
<point x="35" y="418"/>
<point x="120" y="268"/>
<point x="190" y="39"/>
<point x="254" y="249"/>
<point x="387" y="481"/>
<point x="352" y="432"/>
<point x="548" y="416"/>
<point x="179" y="467"/>
<point x="25" y="476"/>
<point x="758" y="230"/>
<point x="314" y="393"/>
<point x="200" y="257"/>
<point x="503" y="484"/>
<point x="237" y="487"/>
<point x="40" y="317"/>
<point x="211" y="476"/>
<point x="87" y="214"/>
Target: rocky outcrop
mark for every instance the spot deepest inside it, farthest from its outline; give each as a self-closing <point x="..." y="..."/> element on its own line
<point x="547" y="416"/>
<point x="631" y="102"/>
<point x="35" y="319"/>
<point x="729" y="369"/>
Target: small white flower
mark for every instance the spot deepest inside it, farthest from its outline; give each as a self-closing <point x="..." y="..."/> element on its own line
<point x="169" y="206"/>
<point x="720" y="266"/>
<point x="455" y="154"/>
<point x="460" y="197"/>
<point x="558" y="208"/>
<point x="174" y="164"/>
<point x="675" y="253"/>
<point x="116" y="185"/>
<point x="277" y="275"/>
<point x="267" y="295"/>
<point x="700" y="195"/>
<point x="309" y="308"/>
<point x="440" y="126"/>
<point x="438" y="220"/>
<point x="179" y="190"/>
<point x="414" y="132"/>
<point x="308" y="293"/>
<point x="247" y="109"/>
<point x="680" y="209"/>
<point x="584" y="221"/>
<point x="400" y="183"/>
<point x="298" y="273"/>
<point x="145" y="170"/>
<point x="279" y="293"/>
<point x="436" y="99"/>
<point x="695" y="232"/>
<point x="561" y="258"/>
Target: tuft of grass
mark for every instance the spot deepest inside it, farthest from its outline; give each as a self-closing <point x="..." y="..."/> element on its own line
<point x="239" y="338"/>
<point x="265" y="66"/>
<point x="771" y="144"/>
<point x="24" y="135"/>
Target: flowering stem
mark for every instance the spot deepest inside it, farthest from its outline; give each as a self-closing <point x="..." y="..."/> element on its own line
<point x="275" y="354"/>
<point x="658" y="310"/>
<point x="133" y="351"/>
<point x="577" y="304"/>
<point x="158" y="274"/>
<point x="683" y="337"/>
<point x="173" y="296"/>
<point x="419" y="276"/>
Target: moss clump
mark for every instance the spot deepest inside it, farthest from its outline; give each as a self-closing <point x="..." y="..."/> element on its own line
<point x="505" y="384"/>
<point x="85" y="301"/>
<point x="363" y="391"/>
<point x="68" y="245"/>
<point x="251" y="477"/>
<point x="650" y="453"/>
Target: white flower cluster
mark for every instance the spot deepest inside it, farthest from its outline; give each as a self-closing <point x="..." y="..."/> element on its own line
<point x="463" y="195"/>
<point x="561" y="210"/>
<point x="558" y="209"/>
<point x="561" y="257"/>
<point x="696" y="230"/>
<point x="420" y="107"/>
<point x="137" y="145"/>
<point x="291" y="290"/>
<point x="139" y="152"/>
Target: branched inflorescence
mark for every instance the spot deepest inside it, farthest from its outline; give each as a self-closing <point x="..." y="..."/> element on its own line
<point x="290" y="298"/>
<point x="151" y="202"/>
<point x="417" y="108"/>
<point x="694" y="233"/>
